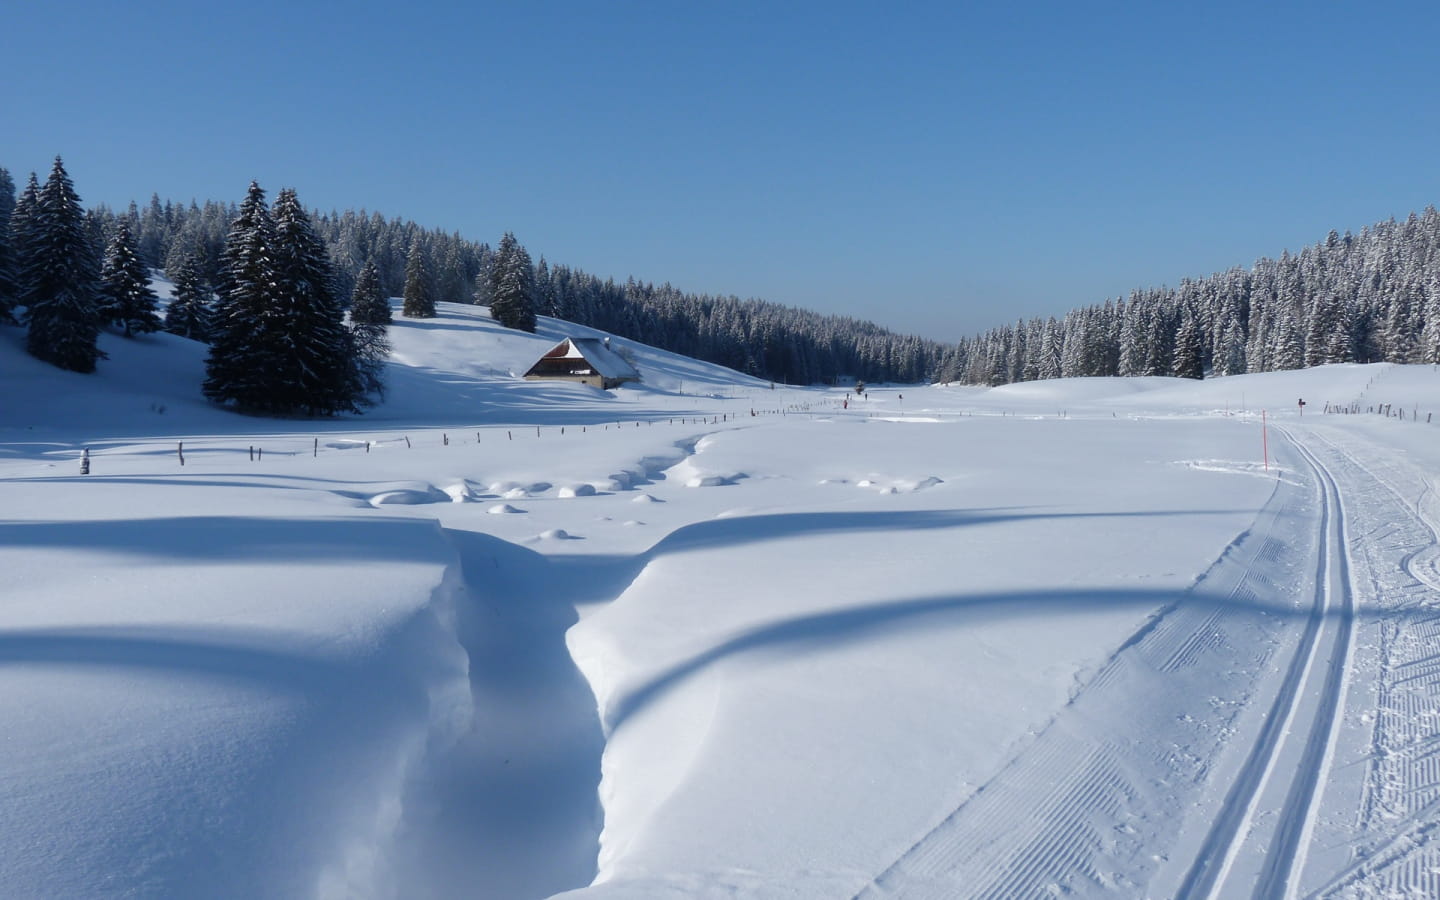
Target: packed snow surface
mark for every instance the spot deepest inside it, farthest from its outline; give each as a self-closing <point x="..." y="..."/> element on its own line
<point x="708" y="636"/>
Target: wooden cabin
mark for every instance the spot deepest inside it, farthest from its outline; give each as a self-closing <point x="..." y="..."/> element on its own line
<point x="586" y="360"/>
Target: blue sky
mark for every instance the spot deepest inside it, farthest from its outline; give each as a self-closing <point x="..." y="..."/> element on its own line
<point x="937" y="168"/>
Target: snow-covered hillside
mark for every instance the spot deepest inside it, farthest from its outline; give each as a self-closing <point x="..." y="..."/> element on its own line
<point x="706" y="636"/>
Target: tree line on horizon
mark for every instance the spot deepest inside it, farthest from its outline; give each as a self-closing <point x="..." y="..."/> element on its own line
<point x="767" y="340"/>
<point x="1369" y="297"/>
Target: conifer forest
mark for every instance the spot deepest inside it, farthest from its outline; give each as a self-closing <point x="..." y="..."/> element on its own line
<point x="269" y="289"/>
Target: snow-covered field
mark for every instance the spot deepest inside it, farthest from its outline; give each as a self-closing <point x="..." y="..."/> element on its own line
<point x="709" y="637"/>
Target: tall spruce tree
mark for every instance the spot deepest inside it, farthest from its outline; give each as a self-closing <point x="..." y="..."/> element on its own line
<point x="1430" y="332"/>
<point x="324" y="377"/>
<point x="512" y="296"/>
<point x="22" y="236"/>
<point x="369" y="321"/>
<point x="248" y="333"/>
<point x="280" y="343"/>
<point x="9" y="276"/>
<point x="60" y="274"/>
<point x="419" y="294"/>
<point x="188" y="314"/>
<point x="368" y="305"/>
<point x="126" y="298"/>
<point x="1187" y="362"/>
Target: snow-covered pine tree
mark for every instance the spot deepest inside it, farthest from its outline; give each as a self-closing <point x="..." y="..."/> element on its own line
<point x="545" y="300"/>
<point x="1049" y="366"/>
<point x="1072" y="349"/>
<point x="1188" y="362"/>
<point x="248" y="338"/>
<point x="22" y="236"/>
<point x="1230" y="353"/>
<point x="419" y="297"/>
<point x="320" y="376"/>
<point x="9" y="276"/>
<point x="1322" y="321"/>
<point x="368" y="305"/>
<point x="484" y="265"/>
<point x="61" y="277"/>
<point x="126" y="298"/>
<point x="1132" y="339"/>
<point x="512" y="300"/>
<point x="188" y="314"/>
<point x="1400" y="334"/>
<point x="1429" y="350"/>
<point x="369" y="318"/>
<point x="1289" y="349"/>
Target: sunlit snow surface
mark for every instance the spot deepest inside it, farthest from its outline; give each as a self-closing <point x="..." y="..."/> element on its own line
<point x="702" y="636"/>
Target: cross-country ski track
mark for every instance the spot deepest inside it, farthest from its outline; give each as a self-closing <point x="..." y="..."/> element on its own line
<point x="1153" y="783"/>
<point x="1265" y="821"/>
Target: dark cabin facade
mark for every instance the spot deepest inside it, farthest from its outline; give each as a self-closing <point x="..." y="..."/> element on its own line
<point x="584" y="360"/>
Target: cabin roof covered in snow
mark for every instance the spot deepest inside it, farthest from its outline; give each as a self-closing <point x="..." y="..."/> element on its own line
<point x="606" y="362"/>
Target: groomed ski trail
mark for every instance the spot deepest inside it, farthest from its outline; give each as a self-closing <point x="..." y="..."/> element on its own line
<point x="1266" y="819"/>
<point x="1105" y="785"/>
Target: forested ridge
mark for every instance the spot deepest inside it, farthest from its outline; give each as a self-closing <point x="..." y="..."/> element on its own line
<point x="1369" y="297"/>
<point x="765" y="339"/>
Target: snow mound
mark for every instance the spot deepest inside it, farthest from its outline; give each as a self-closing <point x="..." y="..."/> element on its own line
<point x="511" y="490"/>
<point x="461" y="492"/>
<point x="501" y="509"/>
<point x="409" y="495"/>
<point x="576" y="490"/>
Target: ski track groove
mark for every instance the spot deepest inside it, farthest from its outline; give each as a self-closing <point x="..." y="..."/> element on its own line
<point x="1084" y="792"/>
<point x="1231" y="828"/>
<point x="1373" y="610"/>
<point x="1285" y="864"/>
<point x="1392" y="846"/>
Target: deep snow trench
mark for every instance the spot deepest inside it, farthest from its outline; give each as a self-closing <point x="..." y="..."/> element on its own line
<point x="512" y="808"/>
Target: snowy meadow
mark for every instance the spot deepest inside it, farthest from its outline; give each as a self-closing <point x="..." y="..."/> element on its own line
<point x="709" y="636"/>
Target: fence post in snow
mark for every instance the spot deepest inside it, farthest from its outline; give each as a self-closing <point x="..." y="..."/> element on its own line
<point x="85" y="461"/>
<point x="315" y="452"/>
<point x="180" y="452"/>
<point x="407" y="441"/>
